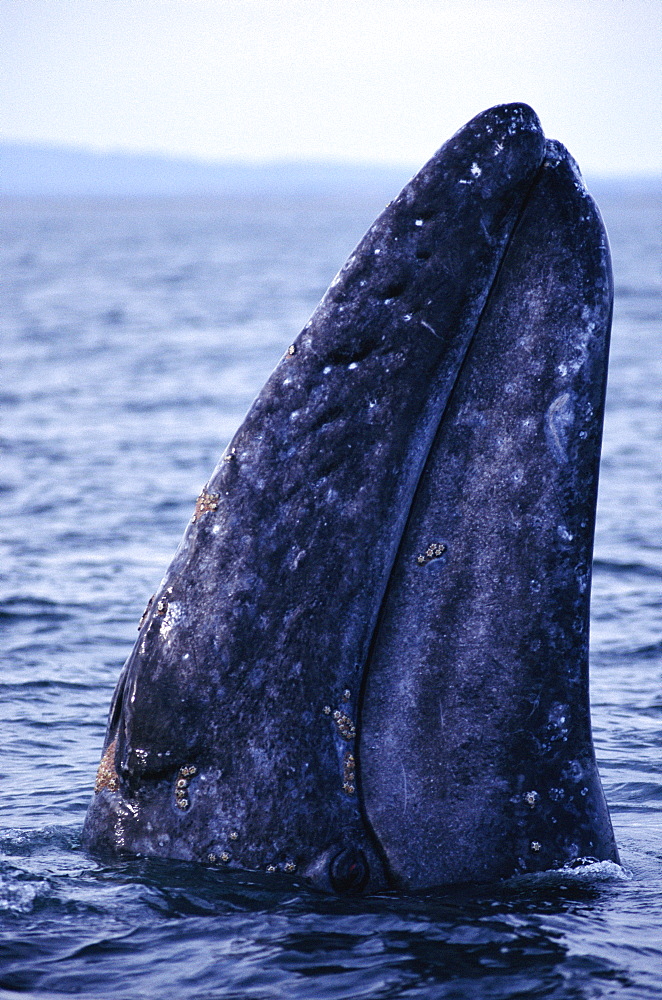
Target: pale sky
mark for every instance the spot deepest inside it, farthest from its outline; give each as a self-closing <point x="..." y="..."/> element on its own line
<point x="359" y="80"/>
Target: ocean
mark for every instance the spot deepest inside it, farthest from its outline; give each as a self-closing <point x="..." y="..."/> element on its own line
<point x="133" y="336"/>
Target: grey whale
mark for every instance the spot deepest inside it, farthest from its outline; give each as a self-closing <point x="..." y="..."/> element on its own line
<point x="368" y="661"/>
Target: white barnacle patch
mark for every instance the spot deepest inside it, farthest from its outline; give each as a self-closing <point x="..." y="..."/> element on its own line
<point x="172" y="616"/>
<point x="418" y="222"/>
<point x="476" y="171"/>
<point x="326" y="370"/>
<point x="352" y="365"/>
<point x="564" y="534"/>
<point x="407" y="317"/>
<point x="557" y="731"/>
<point x="215" y="530"/>
<point x="531" y="799"/>
<point x="376" y="251"/>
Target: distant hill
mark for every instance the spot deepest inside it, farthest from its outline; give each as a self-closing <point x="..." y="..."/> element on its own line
<point x="51" y="171"/>
<point x="30" y="170"/>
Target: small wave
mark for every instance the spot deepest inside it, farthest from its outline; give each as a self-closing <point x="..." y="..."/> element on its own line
<point x="21" y="608"/>
<point x="583" y="871"/>
<point x="641" y="569"/>
<point x="17" y="897"/>
<point x="24" y="843"/>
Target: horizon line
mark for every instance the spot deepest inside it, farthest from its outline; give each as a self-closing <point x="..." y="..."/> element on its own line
<point x="193" y="160"/>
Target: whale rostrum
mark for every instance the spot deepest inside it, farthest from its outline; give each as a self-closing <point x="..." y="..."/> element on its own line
<point x="368" y="660"/>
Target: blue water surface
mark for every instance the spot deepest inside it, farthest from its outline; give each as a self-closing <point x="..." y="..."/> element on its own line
<point x="134" y="335"/>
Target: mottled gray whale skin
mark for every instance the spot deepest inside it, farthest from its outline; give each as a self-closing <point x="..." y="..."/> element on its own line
<point x="329" y="631"/>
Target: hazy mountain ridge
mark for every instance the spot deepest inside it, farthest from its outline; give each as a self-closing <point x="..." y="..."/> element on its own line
<point x="29" y="170"/>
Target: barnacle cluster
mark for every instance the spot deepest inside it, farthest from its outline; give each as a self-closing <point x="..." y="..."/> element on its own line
<point x="184" y="775"/>
<point x="344" y="724"/>
<point x="433" y="551"/>
<point x="349" y="774"/>
<point x="107" y="775"/>
<point x="205" y="502"/>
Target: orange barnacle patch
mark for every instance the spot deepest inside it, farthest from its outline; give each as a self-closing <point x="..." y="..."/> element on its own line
<point x="205" y="502"/>
<point x="107" y="775"/>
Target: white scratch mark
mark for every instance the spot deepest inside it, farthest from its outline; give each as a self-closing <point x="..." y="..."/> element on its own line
<point x="431" y="329"/>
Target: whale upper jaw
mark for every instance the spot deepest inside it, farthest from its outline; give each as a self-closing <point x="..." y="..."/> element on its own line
<point x="368" y="660"/>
